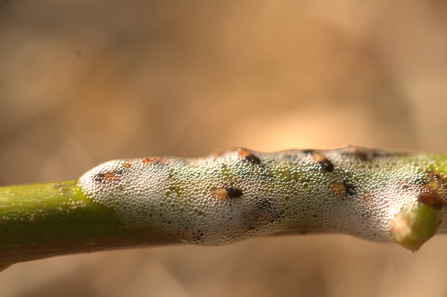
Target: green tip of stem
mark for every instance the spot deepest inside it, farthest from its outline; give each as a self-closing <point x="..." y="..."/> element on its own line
<point x="412" y="227"/>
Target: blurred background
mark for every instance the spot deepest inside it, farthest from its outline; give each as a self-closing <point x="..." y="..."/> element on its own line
<point x="82" y="82"/>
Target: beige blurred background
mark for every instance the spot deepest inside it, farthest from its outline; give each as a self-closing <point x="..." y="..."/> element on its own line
<point x="82" y="82"/>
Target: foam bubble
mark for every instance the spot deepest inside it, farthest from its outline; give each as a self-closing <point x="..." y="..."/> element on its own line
<point x="220" y="199"/>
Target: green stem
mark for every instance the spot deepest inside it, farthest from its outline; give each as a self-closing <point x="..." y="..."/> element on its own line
<point x="376" y="195"/>
<point x="45" y="220"/>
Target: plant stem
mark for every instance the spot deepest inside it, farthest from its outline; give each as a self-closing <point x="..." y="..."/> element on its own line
<point x="377" y="195"/>
<point x="45" y="220"/>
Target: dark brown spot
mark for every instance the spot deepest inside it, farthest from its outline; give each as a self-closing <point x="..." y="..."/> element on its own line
<point x="253" y="159"/>
<point x="234" y="192"/>
<point x="249" y="156"/>
<point x="324" y="162"/>
<point x="308" y="151"/>
<point x="5" y="230"/>
<point x="99" y="177"/>
<point x="327" y="165"/>
<point x="431" y="199"/>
